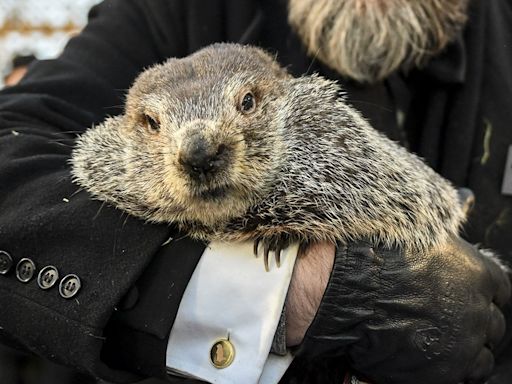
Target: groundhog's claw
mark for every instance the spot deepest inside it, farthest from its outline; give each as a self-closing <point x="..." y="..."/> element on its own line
<point x="256" y="243"/>
<point x="275" y="244"/>
<point x="266" y="249"/>
<point x="278" y="255"/>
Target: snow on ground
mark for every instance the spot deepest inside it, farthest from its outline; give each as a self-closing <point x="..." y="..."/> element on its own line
<point x="38" y="27"/>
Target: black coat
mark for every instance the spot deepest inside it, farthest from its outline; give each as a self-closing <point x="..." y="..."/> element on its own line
<point x="456" y="117"/>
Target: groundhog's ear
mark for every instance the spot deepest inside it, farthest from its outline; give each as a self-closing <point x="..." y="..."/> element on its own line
<point x="147" y="82"/>
<point x="151" y="78"/>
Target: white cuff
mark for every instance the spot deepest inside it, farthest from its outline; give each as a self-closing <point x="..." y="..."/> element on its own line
<point x="231" y="296"/>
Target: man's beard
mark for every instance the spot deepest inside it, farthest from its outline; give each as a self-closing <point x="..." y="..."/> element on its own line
<point x="366" y="40"/>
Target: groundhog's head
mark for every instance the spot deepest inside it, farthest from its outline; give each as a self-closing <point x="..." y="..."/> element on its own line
<point x="200" y="138"/>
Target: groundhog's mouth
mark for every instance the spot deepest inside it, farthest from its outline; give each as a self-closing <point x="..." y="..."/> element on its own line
<point x="214" y="193"/>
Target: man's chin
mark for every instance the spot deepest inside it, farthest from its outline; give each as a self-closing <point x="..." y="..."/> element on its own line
<point x="366" y="40"/>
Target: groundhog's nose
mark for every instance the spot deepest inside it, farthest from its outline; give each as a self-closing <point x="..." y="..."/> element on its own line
<point x="201" y="159"/>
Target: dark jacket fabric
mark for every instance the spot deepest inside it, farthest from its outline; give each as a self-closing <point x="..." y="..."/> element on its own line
<point x="456" y="116"/>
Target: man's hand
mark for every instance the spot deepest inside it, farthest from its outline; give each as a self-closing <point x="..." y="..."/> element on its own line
<point x="401" y="317"/>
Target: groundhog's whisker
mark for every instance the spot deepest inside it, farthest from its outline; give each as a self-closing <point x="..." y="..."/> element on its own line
<point x="73" y="132"/>
<point x="381" y="107"/>
<point x="313" y="59"/>
<point x="77" y="191"/>
<point x="99" y="210"/>
<point x="58" y="142"/>
<point x="114" y="106"/>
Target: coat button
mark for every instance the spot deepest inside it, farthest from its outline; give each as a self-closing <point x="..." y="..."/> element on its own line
<point x="5" y="262"/>
<point x="47" y="277"/>
<point x="222" y="353"/>
<point x="69" y="286"/>
<point x="25" y="270"/>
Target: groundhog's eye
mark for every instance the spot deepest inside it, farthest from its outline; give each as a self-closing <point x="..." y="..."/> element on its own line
<point x="248" y="103"/>
<point x="151" y="124"/>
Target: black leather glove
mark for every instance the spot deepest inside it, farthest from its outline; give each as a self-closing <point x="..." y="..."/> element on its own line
<point x="502" y="373"/>
<point x="410" y="318"/>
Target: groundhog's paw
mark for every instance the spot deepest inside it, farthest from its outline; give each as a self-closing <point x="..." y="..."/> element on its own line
<point x="274" y="243"/>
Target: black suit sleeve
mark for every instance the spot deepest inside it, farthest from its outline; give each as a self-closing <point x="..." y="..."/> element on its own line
<point x="43" y="216"/>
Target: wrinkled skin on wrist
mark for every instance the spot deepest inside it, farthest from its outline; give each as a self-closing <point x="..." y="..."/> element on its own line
<point x="307" y="287"/>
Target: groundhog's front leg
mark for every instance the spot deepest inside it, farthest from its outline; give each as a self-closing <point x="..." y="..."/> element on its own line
<point x="274" y="243"/>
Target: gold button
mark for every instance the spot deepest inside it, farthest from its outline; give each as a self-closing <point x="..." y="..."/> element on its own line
<point x="222" y="353"/>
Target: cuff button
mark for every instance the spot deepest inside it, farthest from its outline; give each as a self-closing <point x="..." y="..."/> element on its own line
<point x="69" y="286"/>
<point x="5" y="262"/>
<point x="47" y="277"/>
<point x="222" y="353"/>
<point x="25" y="270"/>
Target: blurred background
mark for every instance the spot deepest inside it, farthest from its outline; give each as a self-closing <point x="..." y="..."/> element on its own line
<point x="36" y="29"/>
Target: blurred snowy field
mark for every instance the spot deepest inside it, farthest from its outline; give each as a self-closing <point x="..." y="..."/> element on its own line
<point x="38" y="27"/>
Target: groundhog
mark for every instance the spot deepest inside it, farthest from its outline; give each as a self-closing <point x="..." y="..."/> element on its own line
<point x="229" y="146"/>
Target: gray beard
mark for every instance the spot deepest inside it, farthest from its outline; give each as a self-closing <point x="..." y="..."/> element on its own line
<point x="366" y="40"/>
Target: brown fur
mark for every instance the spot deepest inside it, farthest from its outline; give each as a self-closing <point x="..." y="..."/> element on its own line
<point x="302" y="166"/>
